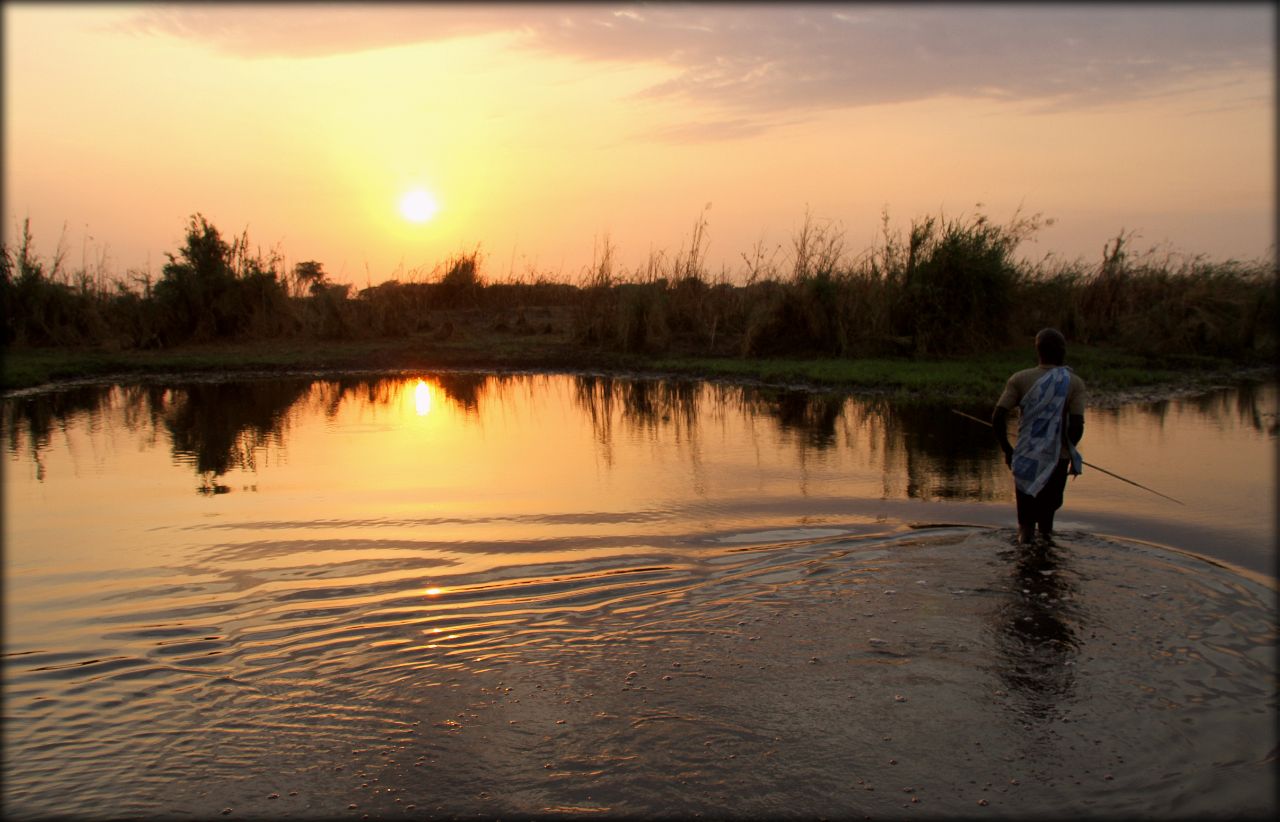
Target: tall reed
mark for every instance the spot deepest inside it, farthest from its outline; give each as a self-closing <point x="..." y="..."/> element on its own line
<point x="943" y="287"/>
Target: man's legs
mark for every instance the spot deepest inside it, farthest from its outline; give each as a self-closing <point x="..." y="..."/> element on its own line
<point x="1049" y="500"/>
<point x="1027" y="515"/>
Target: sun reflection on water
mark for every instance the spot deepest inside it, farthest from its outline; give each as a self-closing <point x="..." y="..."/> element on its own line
<point x="422" y="398"/>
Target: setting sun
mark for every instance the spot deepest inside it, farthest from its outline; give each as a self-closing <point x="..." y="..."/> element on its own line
<point x="418" y="206"/>
<point x="387" y="136"/>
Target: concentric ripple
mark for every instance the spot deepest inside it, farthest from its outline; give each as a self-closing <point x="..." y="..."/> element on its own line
<point x="939" y="669"/>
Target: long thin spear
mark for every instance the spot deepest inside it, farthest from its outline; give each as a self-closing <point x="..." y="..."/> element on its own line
<point x="1091" y="465"/>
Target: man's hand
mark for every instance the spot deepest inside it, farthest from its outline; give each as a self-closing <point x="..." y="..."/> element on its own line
<point x="1008" y="458"/>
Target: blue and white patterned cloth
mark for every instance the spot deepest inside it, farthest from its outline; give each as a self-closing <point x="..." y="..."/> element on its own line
<point x="1040" y="432"/>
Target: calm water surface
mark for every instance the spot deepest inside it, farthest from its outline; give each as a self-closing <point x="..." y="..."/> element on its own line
<point x="462" y="593"/>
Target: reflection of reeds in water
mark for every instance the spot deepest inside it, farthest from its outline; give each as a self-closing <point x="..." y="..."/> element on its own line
<point x="940" y="455"/>
<point x="219" y="427"/>
<point x="652" y="407"/>
<point x="921" y="447"/>
<point x="466" y="390"/>
<point x="30" y="421"/>
<point x="920" y="450"/>
<point x="1249" y="404"/>
<point x="215" y="427"/>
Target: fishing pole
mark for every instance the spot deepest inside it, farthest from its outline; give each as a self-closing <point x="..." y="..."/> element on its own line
<point x="1091" y="465"/>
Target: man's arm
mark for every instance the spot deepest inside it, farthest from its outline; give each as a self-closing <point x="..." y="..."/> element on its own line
<point x="1009" y="400"/>
<point x="1075" y="428"/>
<point x="1075" y="410"/>
<point x="1000" y="425"/>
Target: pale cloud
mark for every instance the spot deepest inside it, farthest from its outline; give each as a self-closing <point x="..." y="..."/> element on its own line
<point x="749" y="64"/>
<point x="265" y="30"/>
<point x="701" y="131"/>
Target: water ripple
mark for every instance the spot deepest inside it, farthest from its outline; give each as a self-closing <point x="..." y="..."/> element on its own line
<point x="712" y="679"/>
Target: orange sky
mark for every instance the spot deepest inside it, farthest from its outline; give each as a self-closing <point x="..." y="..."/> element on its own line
<point x="540" y="130"/>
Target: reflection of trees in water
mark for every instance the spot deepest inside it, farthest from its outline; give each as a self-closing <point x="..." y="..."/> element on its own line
<point x="220" y="426"/>
<point x="1036" y="637"/>
<point x="212" y="426"/>
<point x="30" y="421"/>
<point x="595" y="396"/>
<point x="813" y="417"/>
<point x="643" y="406"/>
<point x="142" y="408"/>
<point x="330" y="394"/>
<point x="466" y="390"/>
<point x="1250" y="404"/>
<point x="939" y="454"/>
<point x="921" y="450"/>
<point x="215" y="427"/>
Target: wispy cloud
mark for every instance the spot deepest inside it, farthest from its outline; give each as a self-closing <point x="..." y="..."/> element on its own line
<point x="750" y="64"/>
<point x="702" y="131"/>
<point x="265" y="30"/>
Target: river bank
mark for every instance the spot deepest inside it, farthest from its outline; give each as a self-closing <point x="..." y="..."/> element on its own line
<point x="1114" y="377"/>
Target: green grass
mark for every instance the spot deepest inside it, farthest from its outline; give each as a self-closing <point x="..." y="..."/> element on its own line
<point x="473" y="345"/>
<point x="968" y="377"/>
<point x="32" y="367"/>
<point x="978" y="378"/>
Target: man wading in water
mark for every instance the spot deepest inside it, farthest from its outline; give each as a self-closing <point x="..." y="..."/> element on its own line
<point x="1051" y="398"/>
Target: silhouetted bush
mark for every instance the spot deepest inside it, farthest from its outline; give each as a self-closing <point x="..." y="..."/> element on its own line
<point x="215" y="290"/>
<point x="958" y="296"/>
<point x="1152" y="306"/>
<point x="40" y="307"/>
<point x="461" y="284"/>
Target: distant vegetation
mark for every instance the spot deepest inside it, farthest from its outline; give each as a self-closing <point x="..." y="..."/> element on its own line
<point x="945" y="287"/>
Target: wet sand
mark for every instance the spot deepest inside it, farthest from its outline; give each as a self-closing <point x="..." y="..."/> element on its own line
<point x="941" y="673"/>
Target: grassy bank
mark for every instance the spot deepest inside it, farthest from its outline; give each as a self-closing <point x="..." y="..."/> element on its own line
<point x="976" y="378"/>
<point x="945" y="308"/>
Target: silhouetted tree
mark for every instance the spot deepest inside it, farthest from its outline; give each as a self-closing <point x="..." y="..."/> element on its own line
<point x="310" y="276"/>
<point x="212" y="289"/>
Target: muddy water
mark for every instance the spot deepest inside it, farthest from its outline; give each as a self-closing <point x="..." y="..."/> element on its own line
<point x="462" y="594"/>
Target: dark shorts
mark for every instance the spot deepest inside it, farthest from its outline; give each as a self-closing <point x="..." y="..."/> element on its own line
<point x="1039" y="510"/>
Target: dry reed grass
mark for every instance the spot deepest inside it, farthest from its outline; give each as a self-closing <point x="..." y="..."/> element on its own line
<point x="944" y="287"/>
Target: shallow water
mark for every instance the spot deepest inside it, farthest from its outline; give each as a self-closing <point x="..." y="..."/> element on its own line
<point x="558" y="594"/>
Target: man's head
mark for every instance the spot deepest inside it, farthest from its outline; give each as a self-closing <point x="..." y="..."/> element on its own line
<point x="1051" y="347"/>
